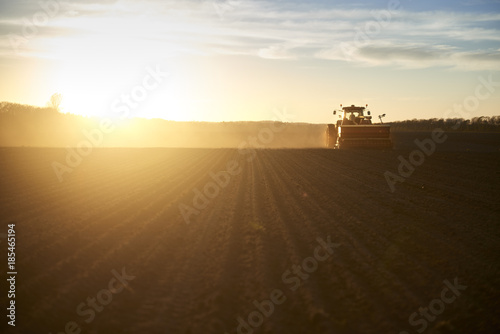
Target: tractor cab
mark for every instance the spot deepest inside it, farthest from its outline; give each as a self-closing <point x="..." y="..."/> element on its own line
<point x="353" y="116"/>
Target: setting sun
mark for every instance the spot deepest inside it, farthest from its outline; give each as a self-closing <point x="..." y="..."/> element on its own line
<point x="250" y="166"/>
<point x="226" y="64"/>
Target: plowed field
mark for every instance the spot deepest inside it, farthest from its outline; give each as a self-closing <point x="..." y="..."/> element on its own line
<point x="264" y="241"/>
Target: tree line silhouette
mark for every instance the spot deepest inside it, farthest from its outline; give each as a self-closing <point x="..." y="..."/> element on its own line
<point x="475" y="124"/>
<point x="26" y="125"/>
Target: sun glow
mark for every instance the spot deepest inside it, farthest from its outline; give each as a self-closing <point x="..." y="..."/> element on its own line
<point x="110" y="67"/>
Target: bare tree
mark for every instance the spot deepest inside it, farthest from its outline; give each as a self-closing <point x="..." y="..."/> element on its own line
<point x="55" y="101"/>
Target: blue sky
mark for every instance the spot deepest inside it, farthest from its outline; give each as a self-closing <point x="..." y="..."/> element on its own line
<point x="240" y="60"/>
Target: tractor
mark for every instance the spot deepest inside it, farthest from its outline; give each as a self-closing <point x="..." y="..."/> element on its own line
<point x="355" y="129"/>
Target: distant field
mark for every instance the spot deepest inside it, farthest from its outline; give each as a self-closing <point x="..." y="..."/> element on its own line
<point x="390" y="252"/>
<point x="455" y="141"/>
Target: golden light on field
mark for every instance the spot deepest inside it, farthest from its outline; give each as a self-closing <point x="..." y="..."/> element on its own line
<point x="195" y="180"/>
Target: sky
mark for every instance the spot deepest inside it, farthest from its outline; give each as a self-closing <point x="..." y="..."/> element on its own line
<point x="239" y="60"/>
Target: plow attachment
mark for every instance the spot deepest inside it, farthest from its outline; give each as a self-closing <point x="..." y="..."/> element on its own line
<point x="364" y="136"/>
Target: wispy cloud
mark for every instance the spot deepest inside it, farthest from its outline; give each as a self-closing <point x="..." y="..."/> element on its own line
<point x="273" y="30"/>
<point x="406" y="55"/>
